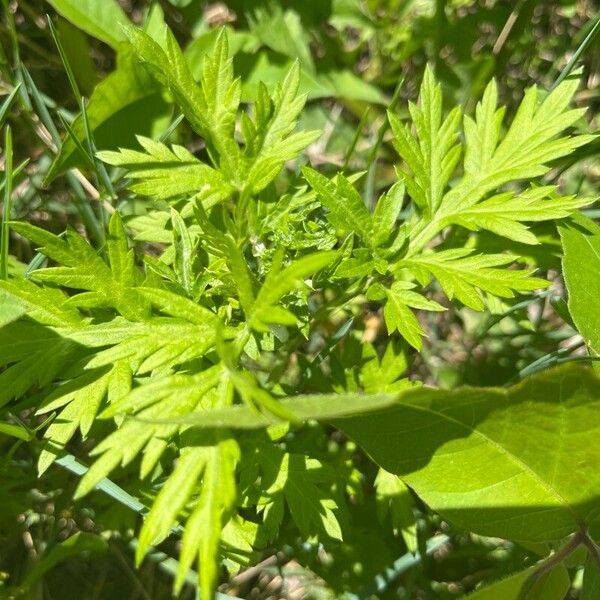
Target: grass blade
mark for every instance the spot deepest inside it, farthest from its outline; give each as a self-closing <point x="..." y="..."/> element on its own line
<point x="65" y="62"/>
<point x="8" y="102"/>
<point x="17" y="171"/>
<point x="372" y="160"/>
<point x="8" y="181"/>
<point x="589" y="38"/>
<point x="40" y="106"/>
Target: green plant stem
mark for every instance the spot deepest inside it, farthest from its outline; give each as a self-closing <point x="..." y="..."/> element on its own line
<point x="552" y="561"/>
<point x="592" y="547"/>
<point x="372" y="160"/>
<point x="358" y="131"/>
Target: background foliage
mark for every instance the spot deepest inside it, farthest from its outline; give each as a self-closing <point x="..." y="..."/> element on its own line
<point x="157" y="234"/>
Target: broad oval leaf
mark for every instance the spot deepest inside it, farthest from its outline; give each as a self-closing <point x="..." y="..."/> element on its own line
<point x="517" y="463"/>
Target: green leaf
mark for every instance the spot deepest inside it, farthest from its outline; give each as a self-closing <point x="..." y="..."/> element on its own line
<point x="269" y="137"/>
<point x="168" y="389"/>
<point x="203" y="528"/>
<point x="461" y="274"/>
<point x="15" y="431"/>
<point x="553" y="585"/>
<point x="127" y="102"/>
<point x="281" y="281"/>
<point x="464" y="453"/>
<point x="535" y="137"/>
<point x="282" y="31"/>
<point x="223" y="245"/>
<point x="304" y="407"/>
<point x="179" y="306"/>
<point x="216" y="465"/>
<point x="165" y="174"/>
<point x="33" y="356"/>
<point x="81" y="399"/>
<point x="172" y="396"/>
<point x="507" y="589"/>
<point x="386" y="213"/>
<point x="383" y="375"/>
<point x="581" y="268"/>
<point x="295" y="478"/>
<point x="502" y="214"/>
<point x="83" y="269"/>
<point x="102" y="19"/>
<point x="347" y="210"/>
<point x="433" y="154"/>
<point x="399" y="316"/>
<point x="529" y="144"/>
<point x="46" y="305"/>
<point x="211" y="108"/>
<point x="393" y="496"/>
<point x="156" y="343"/>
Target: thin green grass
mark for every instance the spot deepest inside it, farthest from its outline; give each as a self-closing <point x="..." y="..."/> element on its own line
<point x="8" y="102"/>
<point x="585" y="44"/>
<point x="8" y="183"/>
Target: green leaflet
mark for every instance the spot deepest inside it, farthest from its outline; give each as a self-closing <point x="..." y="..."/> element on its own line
<point x="399" y="316"/>
<point x="83" y="269"/>
<point x="165" y="174"/>
<point x="297" y="480"/>
<point x="216" y="465"/>
<point x="462" y="274"/>
<point x="503" y="213"/>
<point x="282" y="31"/>
<point x="581" y="266"/>
<point x="33" y="356"/>
<point x="174" y="396"/>
<point x="431" y="155"/>
<point x="154" y="344"/>
<point x="47" y="306"/>
<point x="347" y="211"/>
<point x="393" y="497"/>
<point x="269" y="137"/>
<point x="281" y="281"/>
<point x="80" y="400"/>
<point x="383" y="375"/>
